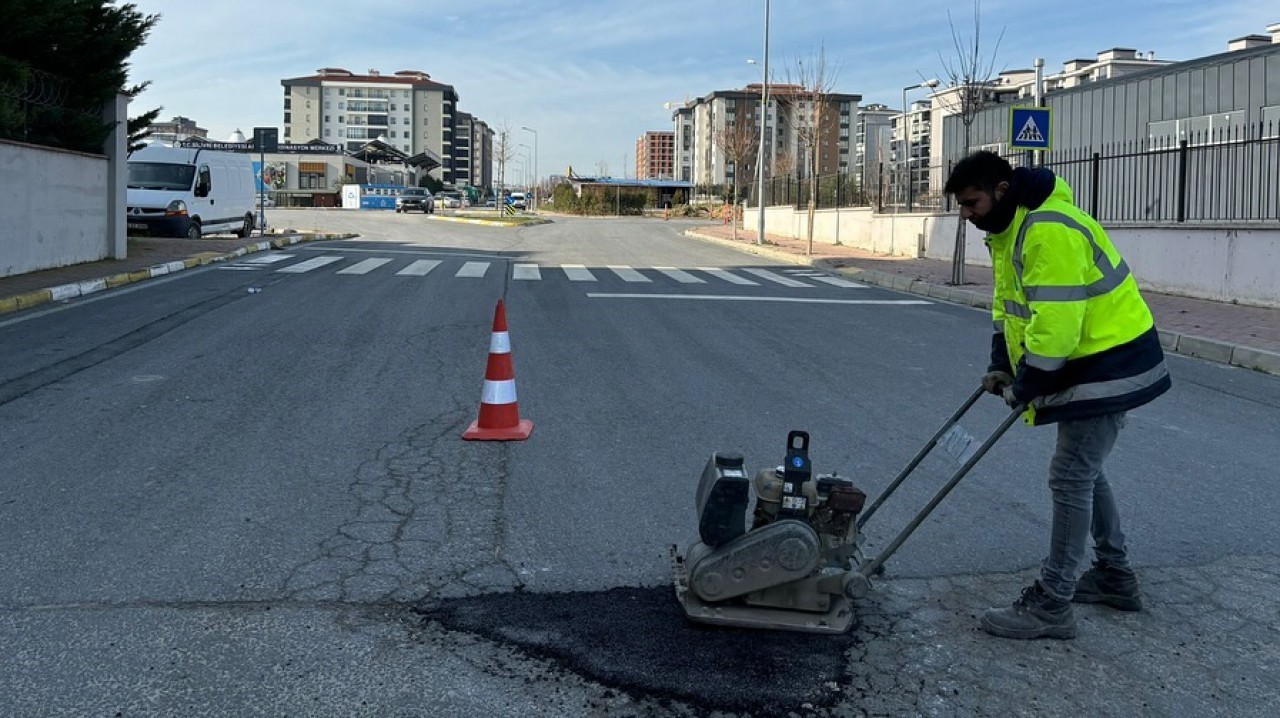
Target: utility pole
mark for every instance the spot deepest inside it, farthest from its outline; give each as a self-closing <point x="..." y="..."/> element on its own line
<point x="764" y="120"/>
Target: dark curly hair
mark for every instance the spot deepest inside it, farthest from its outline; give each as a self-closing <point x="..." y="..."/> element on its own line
<point x="983" y="170"/>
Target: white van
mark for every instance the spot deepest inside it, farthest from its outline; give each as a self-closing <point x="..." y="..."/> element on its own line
<point x="187" y="192"/>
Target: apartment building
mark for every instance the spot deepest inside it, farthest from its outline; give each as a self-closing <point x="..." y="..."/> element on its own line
<point x="792" y="114"/>
<point x="912" y="148"/>
<point x="407" y="111"/>
<point x="873" y="142"/>
<point x="655" y="156"/>
<point x="175" y="130"/>
<point x="683" y="146"/>
<point x="474" y="152"/>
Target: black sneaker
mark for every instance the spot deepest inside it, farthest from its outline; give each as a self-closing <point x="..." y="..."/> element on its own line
<point x="1110" y="586"/>
<point x="1035" y="614"/>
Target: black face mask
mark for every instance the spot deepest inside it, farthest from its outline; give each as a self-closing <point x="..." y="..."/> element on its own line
<point x="1000" y="216"/>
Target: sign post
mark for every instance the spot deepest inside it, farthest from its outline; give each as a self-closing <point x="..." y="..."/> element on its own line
<point x="1030" y="128"/>
<point x="265" y="139"/>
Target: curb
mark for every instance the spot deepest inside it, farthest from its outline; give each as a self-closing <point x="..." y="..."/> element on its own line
<point x="1213" y="350"/>
<point x="90" y="286"/>
<point x="486" y="222"/>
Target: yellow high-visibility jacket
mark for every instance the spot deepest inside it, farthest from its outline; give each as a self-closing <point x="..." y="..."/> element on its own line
<point x="1070" y="323"/>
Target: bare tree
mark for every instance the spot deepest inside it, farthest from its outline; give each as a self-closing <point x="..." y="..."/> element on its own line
<point x="809" y="108"/>
<point x="738" y="142"/>
<point x="503" y="152"/>
<point x="969" y="92"/>
<point x="784" y="164"/>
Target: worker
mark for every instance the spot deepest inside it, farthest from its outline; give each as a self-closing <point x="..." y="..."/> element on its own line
<point x="1076" y="345"/>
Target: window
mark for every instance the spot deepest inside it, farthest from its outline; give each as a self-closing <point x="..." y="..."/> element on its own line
<point x="326" y="132"/>
<point x="406" y="148"/>
<point x="406" y="94"/>
<point x="287" y="102"/>
<point x="326" y="118"/>
<point x="342" y="105"/>
<point x="342" y="90"/>
<point x="327" y="104"/>
<point x="287" y="117"/>
<point x="341" y="132"/>
<point x="424" y="122"/>
<point x="328" y="90"/>
<point x="340" y="119"/>
<point x="286" y="130"/>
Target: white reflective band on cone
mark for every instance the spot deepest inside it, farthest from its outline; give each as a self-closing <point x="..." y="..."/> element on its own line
<point x="500" y="343"/>
<point x="499" y="392"/>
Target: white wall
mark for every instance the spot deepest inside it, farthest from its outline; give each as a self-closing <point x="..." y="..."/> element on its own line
<point x="1221" y="264"/>
<point x="54" y="209"/>
<point x="1210" y="263"/>
<point x="59" y="207"/>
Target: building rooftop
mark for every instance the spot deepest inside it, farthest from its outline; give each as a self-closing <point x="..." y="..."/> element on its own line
<point x="416" y="78"/>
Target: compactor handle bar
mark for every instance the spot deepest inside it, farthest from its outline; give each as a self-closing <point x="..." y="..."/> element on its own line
<point x="870" y="568"/>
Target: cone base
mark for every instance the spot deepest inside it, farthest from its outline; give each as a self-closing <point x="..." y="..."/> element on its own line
<point x="519" y="432"/>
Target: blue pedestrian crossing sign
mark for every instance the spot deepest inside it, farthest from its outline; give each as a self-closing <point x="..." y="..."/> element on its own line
<point x="1029" y="128"/>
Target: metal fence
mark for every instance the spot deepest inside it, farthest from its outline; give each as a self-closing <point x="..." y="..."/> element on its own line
<point x="1228" y="175"/>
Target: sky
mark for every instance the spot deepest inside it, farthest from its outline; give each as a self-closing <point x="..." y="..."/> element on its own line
<point x="591" y="76"/>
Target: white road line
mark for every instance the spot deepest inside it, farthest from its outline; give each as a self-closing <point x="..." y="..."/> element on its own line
<point x="578" y="273"/>
<point x="309" y="265"/>
<point x="237" y="268"/>
<point x="628" y="274"/>
<point x="837" y="281"/>
<point x="727" y="276"/>
<point x="365" y="266"/>
<point x="473" y="269"/>
<point x="419" y="268"/>
<point x="680" y="275"/>
<point x="526" y="271"/>
<point x="730" y="298"/>
<point x="265" y="258"/>
<point x="784" y="281"/>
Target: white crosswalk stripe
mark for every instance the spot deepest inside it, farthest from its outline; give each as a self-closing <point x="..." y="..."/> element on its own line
<point x="310" y="264"/>
<point x="364" y="266"/>
<point x="728" y="276"/>
<point x="680" y="275"/>
<point x="265" y="258"/>
<point x="419" y="268"/>
<point x="837" y="281"/>
<point x="578" y="273"/>
<point x="473" y="270"/>
<point x="784" y="281"/>
<point x="628" y="274"/>
<point x="526" y="271"/>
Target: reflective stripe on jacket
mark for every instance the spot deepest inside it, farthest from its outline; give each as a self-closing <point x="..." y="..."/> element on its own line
<point x="1077" y="332"/>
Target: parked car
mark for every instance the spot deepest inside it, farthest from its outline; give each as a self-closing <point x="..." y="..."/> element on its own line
<point x="518" y="200"/>
<point x="415" y="198"/>
<point x="264" y="201"/>
<point x="491" y="202"/>
<point x="189" y="192"/>
<point x="450" y="200"/>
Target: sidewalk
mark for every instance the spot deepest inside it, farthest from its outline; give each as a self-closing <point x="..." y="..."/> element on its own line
<point x="1243" y="336"/>
<point x="148" y="257"/>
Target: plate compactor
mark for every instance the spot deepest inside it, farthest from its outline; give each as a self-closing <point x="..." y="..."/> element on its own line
<point x="800" y="564"/>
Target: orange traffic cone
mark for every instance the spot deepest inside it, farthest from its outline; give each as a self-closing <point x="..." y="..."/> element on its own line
<point x="499" y="413"/>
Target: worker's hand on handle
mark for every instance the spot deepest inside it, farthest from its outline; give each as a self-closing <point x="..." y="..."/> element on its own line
<point x="995" y="382"/>
<point x="1012" y="401"/>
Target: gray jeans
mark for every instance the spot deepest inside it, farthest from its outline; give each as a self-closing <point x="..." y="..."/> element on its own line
<point x="1082" y="503"/>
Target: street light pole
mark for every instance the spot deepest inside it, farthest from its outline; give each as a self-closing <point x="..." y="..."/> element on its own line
<point x="764" y="120"/>
<point x="527" y="164"/>
<point x="535" y="165"/>
<point x="906" y="137"/>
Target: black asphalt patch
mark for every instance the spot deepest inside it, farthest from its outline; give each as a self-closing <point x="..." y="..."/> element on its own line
<point x="637" y="640"/>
